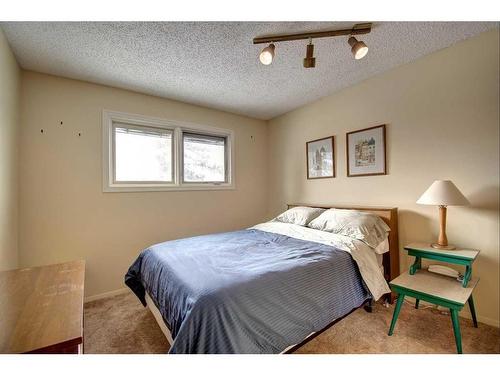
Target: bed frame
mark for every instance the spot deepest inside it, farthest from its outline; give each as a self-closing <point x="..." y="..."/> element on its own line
<point x="390" y="263"/>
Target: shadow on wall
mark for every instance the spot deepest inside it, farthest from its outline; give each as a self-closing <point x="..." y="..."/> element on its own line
<point x="485" y="199"/>
<point x="290" y="191"/>
<point x="413" y="227"/>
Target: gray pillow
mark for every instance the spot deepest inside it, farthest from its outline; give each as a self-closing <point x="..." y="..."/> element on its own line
<point x="362" y="226"/>
<point x="299" y="215"/>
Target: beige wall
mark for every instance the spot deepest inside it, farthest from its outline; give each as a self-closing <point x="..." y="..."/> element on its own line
<point x="10" y="78"/>
<point x="65" y="215"/>
<point x="442" y="116"/>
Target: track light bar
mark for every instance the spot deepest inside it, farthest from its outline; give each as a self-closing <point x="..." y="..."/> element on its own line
<point x="358" y="48"/>
<point x="358" y="29"/>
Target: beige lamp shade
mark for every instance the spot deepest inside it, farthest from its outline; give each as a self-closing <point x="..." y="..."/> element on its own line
<point x="443" y="193"/>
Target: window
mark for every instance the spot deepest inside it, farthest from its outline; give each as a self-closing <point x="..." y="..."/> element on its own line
<point x="142" y="154"/>
<point x="150" y="154"/>
<point x="204" y="158"/>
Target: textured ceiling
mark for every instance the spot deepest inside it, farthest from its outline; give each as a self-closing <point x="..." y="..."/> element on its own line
<point x="215" y="64"/>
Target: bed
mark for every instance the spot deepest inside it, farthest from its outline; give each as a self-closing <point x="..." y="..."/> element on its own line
<point x="266" y="289"/>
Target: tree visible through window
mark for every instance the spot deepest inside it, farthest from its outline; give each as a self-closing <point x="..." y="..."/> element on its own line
<point x="204" y="158"/>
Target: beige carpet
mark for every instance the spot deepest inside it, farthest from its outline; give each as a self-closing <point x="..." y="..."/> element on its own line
<point x="121" y="324"/>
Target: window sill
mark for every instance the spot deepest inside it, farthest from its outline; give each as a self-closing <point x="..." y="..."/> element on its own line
<point x="122" y="188"/>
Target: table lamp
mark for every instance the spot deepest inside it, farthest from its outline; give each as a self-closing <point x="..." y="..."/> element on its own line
<point x="443" y="193"/>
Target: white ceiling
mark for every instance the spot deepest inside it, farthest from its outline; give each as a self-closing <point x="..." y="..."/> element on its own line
<point x="215" y="64"/>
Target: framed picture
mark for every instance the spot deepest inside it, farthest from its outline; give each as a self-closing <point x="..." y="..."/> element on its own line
<point x="366" y="152"/>
<point x="320" y="155"/>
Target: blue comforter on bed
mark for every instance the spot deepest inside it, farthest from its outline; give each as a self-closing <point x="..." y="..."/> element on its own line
<point x="247" y="291"/>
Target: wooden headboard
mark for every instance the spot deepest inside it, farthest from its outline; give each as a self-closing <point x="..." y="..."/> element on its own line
<point x="390" y="216"/>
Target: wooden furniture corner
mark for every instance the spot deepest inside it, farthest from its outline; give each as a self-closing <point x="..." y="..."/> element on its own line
<point x="41" y="309"/>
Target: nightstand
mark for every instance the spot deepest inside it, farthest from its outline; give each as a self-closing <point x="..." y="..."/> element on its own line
<point x="437" y="289"/>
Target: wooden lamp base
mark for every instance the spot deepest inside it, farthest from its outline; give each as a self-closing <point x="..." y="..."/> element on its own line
<point x="442" y="243"/>
<point x="443" y="247"/>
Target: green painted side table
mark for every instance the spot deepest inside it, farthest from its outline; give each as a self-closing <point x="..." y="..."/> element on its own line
<point x="437" y="289"/>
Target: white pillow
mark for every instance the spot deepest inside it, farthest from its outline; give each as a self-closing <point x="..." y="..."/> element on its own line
<point x="299" y="215"/>
<point x="362" y="226"/>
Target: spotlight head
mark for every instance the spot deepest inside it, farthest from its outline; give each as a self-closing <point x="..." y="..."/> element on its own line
<point x="358" y="48"/>
<point x="310" y="61"/>
<point x="267" y="55"/>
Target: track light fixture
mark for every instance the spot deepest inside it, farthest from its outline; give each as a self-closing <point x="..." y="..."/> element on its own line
<point x="267" y="55"/>
<point x="310" y="61"/>
<point x="358" y="48"/>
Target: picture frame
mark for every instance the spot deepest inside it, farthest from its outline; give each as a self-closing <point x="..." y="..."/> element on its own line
<point x="320" y="158"/>
<point x="366" y="152"/>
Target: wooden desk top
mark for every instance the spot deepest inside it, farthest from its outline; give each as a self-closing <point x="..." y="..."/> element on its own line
<point x="468" y="254"/>
<point x="440" y="286"/>
<point x="41" y="307"/>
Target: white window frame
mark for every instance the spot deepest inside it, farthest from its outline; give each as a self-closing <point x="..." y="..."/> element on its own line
<point x="177" y="127"/>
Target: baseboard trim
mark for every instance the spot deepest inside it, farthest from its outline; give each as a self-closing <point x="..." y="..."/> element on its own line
<point x="111" y="293"/>
<point x="465" y="314"/>
<point x="481" y="319"/>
